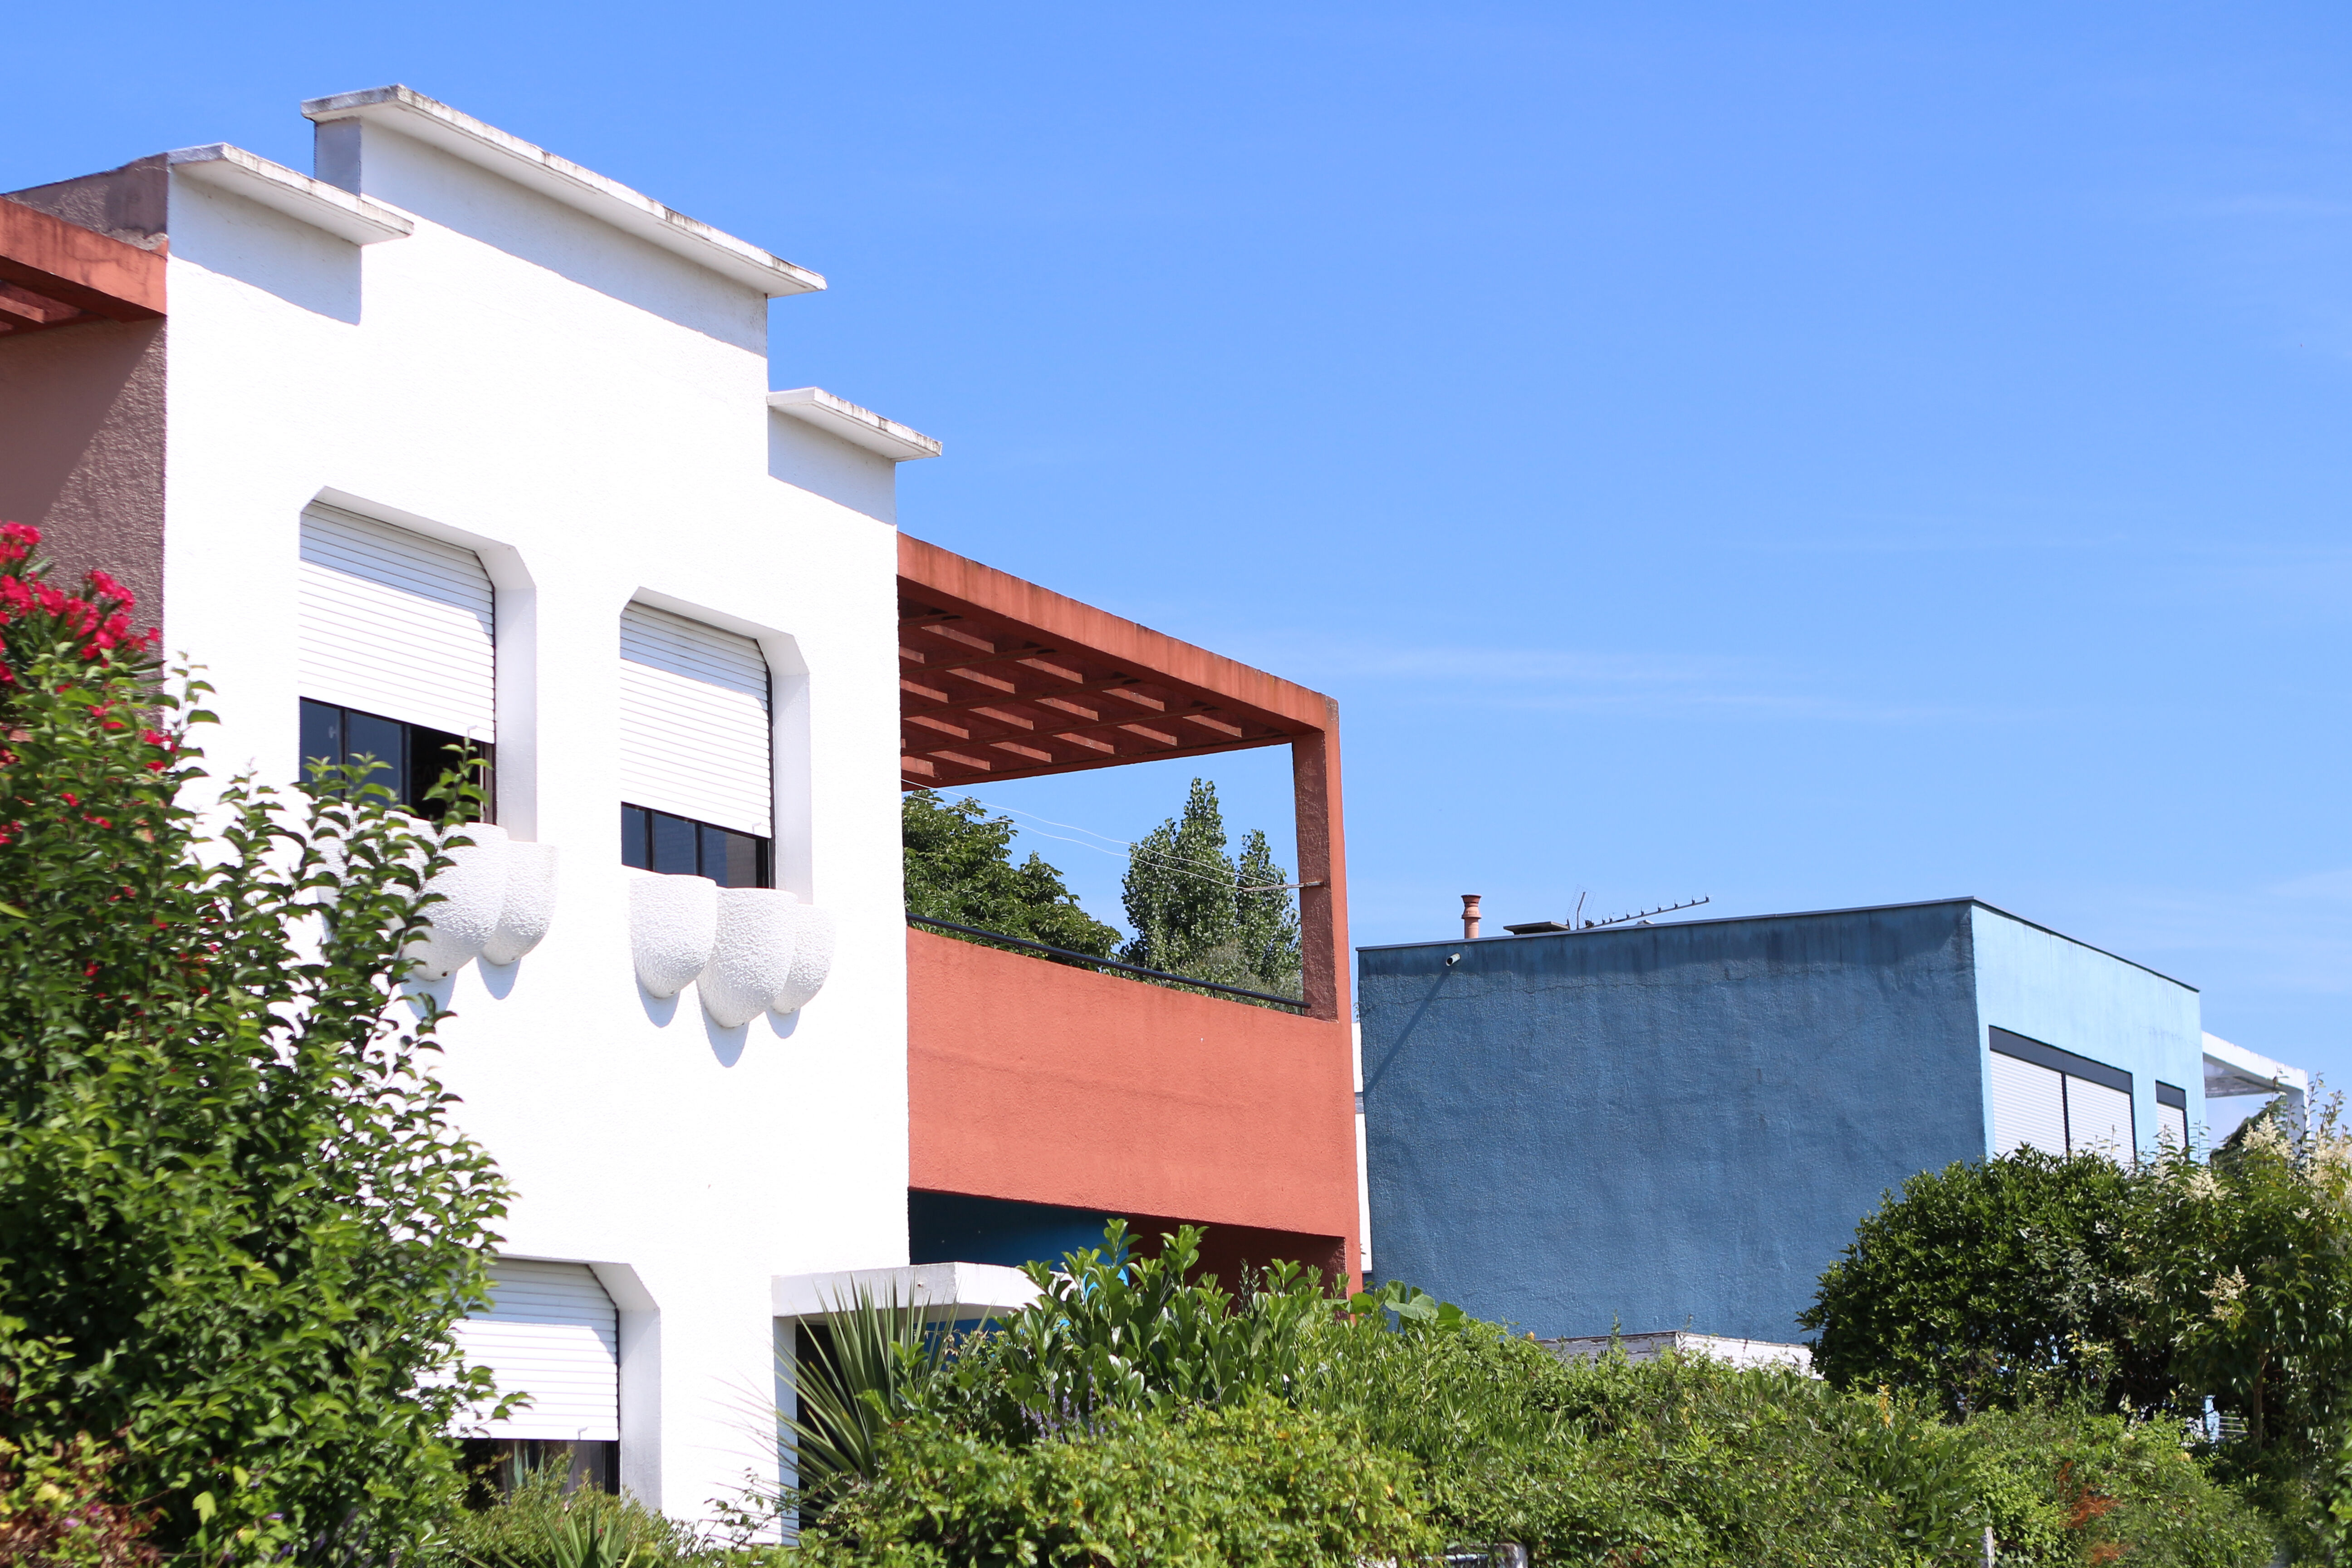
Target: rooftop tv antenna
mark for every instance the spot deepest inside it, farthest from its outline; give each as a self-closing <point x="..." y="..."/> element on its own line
<point x="1577" y="922"/>
<point x="1640" y="914"/>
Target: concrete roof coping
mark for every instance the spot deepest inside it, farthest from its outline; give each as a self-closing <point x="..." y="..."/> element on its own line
<point x="1787" y="915"/>
<point x="858" y="426"/>
<point x="292" y="193"/>
<point x="486" y="146"/>
<point x="2261" y="1075"/>
<point x="989" y="1287"/>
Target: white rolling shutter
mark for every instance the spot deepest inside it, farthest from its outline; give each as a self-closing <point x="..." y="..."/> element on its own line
<point x="2099" y="1119"/>
<point x="2174" y="1120"/>
<point x="397" y="625"/>
<point x="694" y="721"/>
<point x="2028" y="1106"/>
<point x="552" y="1333"/>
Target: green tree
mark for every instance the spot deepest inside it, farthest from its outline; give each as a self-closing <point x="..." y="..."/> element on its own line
<point x="235" y="1221"/>
<point x="1997" y="1285"/>
<point x="958" y="866"/>
<point x="2249" y="1258"/>
<point x="1198" y="911"/>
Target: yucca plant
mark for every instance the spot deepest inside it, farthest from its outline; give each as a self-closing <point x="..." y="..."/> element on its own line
<point x="852" y="1377"/>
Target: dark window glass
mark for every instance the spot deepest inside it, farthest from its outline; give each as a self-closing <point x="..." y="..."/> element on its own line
<point x="745" y="864"/>
<point x="409" y="759"/>
<point x="496" y="1466"/>
<point x="431" y="754"/>
<point x="383" y="740"/>
<point x="675" y="847"/>
<point x="679" y="845"/>
<point x="322" y="736"/>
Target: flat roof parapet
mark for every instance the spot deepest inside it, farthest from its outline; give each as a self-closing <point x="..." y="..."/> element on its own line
<point x="412" y="115"/>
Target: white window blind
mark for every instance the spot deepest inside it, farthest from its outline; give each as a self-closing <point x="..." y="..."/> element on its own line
<point x="2028" y="1106"/>
<point x="2174" y="1120"/>
<point x="552" y="1333"/>
<point x="396" y="625"/>
<point x="2098" y="1120"/>
<point x="694" y="721"/>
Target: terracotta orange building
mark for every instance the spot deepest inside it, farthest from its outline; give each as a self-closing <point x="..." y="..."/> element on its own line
<point x="1043" y="1097"/>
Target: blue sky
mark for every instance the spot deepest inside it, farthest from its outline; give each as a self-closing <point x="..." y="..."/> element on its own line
<point x="1807" y="455"/>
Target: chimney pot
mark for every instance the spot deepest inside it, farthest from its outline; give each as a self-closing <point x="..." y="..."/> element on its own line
<point x="1470" y="916"/>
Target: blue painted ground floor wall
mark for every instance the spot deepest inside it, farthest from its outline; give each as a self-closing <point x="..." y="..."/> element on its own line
<point x="1677" y="1126"/>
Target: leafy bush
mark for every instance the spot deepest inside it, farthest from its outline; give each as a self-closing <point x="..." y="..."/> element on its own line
<point x="1114" y="1332"/>
<point x="1079" y="1411"/>
<point x="1998" y="1284"/>
<point x="235" y="1223"/>
<point x="539" y="1524"/>
<point x="58" y="1509"/>
<point x="1251" y="1483"/>
<point x="2026" y="1278"/>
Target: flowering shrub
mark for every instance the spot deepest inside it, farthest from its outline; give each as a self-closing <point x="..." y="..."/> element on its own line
<point x="235" y="1223"/>
<point x="58" y="1510"/>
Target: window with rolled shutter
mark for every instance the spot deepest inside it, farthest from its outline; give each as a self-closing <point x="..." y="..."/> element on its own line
<point x="2172" y="1113"/>
<point x="2059" y="1102"/>
<point x="2028" y="1106"/>
<point x="549" y="1333"/>
<point x="396" y="625"/>
<point x="694" y="721"/>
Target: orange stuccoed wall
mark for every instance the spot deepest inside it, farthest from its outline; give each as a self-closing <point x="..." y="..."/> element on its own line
<point x="1047" y="1083"/>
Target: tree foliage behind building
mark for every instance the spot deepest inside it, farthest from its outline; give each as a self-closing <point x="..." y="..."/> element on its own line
<point x="958" y="866"/>
<point x="1197" y="909"/>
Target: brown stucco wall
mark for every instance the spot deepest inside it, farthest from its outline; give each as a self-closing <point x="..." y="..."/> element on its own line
<point x="81" y="449"/>
<point x="82" y="407"/>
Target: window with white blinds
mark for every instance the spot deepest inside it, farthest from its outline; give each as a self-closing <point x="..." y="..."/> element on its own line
<point x="549" y="1333"/>
<point x="2028" y="1106"/>
<point x="396" y="625"/>
<point x="694" y="721"/>
<point x="2172" y="1114"/>
<point x="2046" y="1099"/>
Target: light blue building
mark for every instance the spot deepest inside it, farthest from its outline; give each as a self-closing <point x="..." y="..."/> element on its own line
<point x="1676" y="1127"/>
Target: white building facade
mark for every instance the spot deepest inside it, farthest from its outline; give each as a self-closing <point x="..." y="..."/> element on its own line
<point x="456" y="441"/>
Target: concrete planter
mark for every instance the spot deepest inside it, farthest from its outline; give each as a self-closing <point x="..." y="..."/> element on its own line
<point x="673" y="927"/>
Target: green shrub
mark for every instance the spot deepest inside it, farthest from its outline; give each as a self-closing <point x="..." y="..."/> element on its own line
<point x="1114" y="1332"/>
<point x="1995" y="1285"/>
<point x="1252" y="1483"/>
<point x="538" y="1524"/>
<point x="2061" y="1487"/>
<point x="236" y="1222"/>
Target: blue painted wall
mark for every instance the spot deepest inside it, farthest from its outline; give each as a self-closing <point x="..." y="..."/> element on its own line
<point x="2047" y="987"/>
<point x="1677" y="1126"/>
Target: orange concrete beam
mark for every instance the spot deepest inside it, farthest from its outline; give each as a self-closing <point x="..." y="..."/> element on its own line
<point x="1045" y="1083"/>
<point x="77" y="266"/>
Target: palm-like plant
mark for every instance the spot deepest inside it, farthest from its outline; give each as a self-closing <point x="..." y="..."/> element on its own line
<point x="852" y="1377"/>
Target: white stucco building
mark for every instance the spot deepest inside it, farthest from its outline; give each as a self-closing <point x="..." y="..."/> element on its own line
<point x="455" y="439"/>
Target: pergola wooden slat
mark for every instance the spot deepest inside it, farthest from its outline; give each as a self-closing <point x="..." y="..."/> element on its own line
<point x="1000" y="678"/>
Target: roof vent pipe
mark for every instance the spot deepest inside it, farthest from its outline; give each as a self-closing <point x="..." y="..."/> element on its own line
<point x="1470" y="916"/>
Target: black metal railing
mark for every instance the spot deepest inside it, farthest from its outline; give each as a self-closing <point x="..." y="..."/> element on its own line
<point x="1161" y="974"/>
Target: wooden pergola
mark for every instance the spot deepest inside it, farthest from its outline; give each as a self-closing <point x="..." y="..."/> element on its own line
<point x="1000" y="678"/>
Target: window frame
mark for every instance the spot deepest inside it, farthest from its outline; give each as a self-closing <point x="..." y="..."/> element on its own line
<point x="707" y="836"/>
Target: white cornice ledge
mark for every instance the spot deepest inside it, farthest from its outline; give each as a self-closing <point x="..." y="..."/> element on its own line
<point x="298" y="196"/>
<point x="414" y="114"/>
<point x="950" y="1289"/>
<point x="858" y="426"/>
